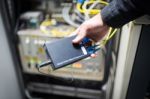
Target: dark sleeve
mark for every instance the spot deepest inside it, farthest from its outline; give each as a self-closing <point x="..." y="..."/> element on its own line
<point x="120" y="12"/>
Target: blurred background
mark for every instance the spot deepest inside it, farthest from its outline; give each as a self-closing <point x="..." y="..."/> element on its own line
<point x="120" y="71"/>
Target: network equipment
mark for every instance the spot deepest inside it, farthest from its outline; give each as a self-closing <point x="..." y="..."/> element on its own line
<point x="51" y="28"/>
<point x="55" y="20"/>
<point x="32" y="54"/>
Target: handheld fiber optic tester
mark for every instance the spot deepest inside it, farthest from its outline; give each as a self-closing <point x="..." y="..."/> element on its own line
<point x="63" y="52"/>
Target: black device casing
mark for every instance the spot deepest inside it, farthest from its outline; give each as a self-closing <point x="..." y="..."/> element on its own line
<point x="62" y="52"/>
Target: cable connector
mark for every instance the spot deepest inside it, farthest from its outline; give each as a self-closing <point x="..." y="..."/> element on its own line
<point x="44" y="64"/>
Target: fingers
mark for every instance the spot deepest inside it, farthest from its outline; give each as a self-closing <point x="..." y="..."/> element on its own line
<point x="80" y="35"/>
<point x="78" y="39"/>
<point x="72" y="34"/>
<point x="75" y="32"/>
<point x="94" y="55"/>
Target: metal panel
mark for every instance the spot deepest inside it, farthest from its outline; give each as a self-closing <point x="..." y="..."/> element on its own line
<point x="127" y="50"/>
<point x="141" y="67"/>
<point x="9" y="86"/>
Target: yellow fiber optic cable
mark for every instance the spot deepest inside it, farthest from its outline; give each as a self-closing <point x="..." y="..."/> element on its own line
<point x="92" y="11"/>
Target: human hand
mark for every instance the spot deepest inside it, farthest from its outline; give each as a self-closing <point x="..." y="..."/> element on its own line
<point x="93" y="28"/>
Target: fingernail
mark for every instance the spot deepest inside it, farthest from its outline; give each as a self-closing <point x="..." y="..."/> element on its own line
<point x="93" y="55"/>
<point x="75" y="40"/>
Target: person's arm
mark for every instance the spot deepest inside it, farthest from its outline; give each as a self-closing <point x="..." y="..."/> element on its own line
<point x="120" y="12"/>
<point x="94" y="28"/>
<point x="116" y="14"/>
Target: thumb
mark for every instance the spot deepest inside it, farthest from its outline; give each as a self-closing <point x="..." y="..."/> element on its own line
<point x="79" y="38"/>
<point x="74" y="33"/>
